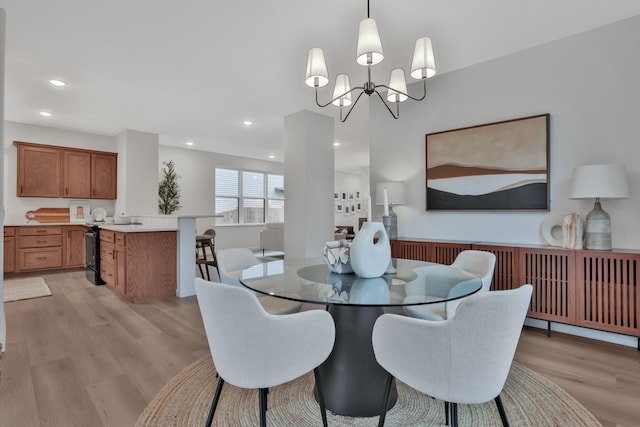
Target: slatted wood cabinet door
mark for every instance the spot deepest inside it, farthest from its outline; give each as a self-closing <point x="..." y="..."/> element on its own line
<point x="552" y="274"/>
<point x="505" y="273"/>
<point x="410" y="249"/>
<point x="446" y="252"/>
<point x="608" y="292"/>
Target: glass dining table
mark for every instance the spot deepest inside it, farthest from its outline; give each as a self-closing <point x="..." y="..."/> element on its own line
<point x="352" y="380"/>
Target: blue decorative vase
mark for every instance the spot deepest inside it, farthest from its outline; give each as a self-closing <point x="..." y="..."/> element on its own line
<point x="370" y="257"/>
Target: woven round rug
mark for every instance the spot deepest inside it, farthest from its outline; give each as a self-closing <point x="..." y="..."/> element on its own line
<point x="529" y="400"/>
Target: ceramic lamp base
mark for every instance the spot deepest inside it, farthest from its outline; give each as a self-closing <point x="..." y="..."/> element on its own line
<point x="391" y="226"/>
<point x="597" y="233"/>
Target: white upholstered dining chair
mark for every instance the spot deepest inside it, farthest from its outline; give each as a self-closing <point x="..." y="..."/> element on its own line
<point x="464" y="359"/>
<point x="254" y="349"/>
<point x="480" y="264"/>
<point x="232" y="261"/>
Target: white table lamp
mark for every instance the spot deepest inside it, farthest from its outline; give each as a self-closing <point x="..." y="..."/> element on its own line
<point x="599" y="182"/>
<point x="395" y="196"/>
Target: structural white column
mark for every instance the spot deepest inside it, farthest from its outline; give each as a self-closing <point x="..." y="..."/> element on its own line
<point x="138" y="159"/>
<point x="3" y="26"/>
<point x="308" y="183"/>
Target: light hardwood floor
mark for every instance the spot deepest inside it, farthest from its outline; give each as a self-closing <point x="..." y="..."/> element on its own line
<point x="85" y="357"/>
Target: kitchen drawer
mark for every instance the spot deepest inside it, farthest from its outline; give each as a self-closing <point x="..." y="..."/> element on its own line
<point x="108" y="273"/>
<point x="39" y="231"/>
<point x="38" y="258"/>
<point x="121" y="239"/>
<point x="40" y="241"/>
<point x="9" y="231"/>
<point x="107" y="236"/>
<point x="106" y="251"/>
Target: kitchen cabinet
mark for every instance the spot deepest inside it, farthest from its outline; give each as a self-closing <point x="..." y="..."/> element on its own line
<point x="63" y="172"/>
<point x="39" y="248"/>
<point x="140" y="266"/>
<point x="74" y="247"/>
<point x="76" y="174"/>
<point x="39" y="170"/>
<point x="104" y="168"/>
<point x="9" y="250"/>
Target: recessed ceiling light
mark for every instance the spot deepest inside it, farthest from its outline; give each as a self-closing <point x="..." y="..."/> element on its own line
<point x="336" y="144"/>
<point x="247" y="123"/>
<point x="58" y="83"/>
<point x="272" y="156"/>
<point x="189" y="142"/>
<point x="45" y="114"/>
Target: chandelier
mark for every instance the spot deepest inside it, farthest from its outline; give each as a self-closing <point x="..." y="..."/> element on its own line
<point x="369" y="53"/>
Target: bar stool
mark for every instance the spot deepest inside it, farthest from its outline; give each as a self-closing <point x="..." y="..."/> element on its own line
<point x="204" y="241"/>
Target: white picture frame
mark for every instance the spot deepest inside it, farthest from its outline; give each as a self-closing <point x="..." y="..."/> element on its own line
<point x="79" y="211"/>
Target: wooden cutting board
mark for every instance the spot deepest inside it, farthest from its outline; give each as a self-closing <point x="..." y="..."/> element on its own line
<point x="45" y="215"/>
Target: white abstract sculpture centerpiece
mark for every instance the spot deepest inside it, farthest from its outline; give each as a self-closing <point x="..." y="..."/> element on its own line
<point x="370" y="258"/>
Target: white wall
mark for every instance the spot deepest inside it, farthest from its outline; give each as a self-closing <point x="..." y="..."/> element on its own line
<point x="17" y="206"/>
<point x="588" y="83"/>
<point x="196" y="172"/>
<point x="350" y="183"/>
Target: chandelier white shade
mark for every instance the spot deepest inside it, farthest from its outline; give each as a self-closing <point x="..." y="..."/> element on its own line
<point x="397" y="86"/>
<point x="341" y="91"/>
<point x="369" y="44"/>
<point x="368" y="53"/>
<point x="317" y="74"/>
<point x="424" y="63"/>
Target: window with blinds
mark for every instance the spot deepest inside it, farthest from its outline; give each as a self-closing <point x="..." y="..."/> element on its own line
<point x="248" y="197"/>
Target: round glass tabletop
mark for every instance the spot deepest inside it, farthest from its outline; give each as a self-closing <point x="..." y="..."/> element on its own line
<point x="310" y="281"/>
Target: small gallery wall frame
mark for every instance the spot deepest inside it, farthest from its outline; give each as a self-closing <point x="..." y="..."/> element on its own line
<point x="500" y="166"/>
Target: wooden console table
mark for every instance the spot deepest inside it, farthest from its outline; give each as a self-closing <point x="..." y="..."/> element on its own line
<point x="587" y="288"/>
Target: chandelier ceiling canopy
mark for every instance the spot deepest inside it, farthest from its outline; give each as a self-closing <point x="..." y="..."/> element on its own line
<point x="369" y="52"/>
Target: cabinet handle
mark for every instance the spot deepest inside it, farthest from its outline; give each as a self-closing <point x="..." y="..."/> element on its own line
<point x="94" y="191"/>
<point x="21" y="189"/>
<point x="41" y="258"/>
<point x="41" y="241"/>
<point x="66" y="190"/>
<point x="41" y="231"/>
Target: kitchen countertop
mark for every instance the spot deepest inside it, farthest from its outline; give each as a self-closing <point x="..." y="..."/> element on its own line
<point x="123" y="228"/>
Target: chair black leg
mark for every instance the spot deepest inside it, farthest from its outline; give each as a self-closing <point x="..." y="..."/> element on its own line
<point x="454" y="414"/>
<point x="214" y="403"/>
<point x="446" y="413"/>
<point x="385" y="399"/>
<point x="323" y="409"/>
<point x="263" y="407"/>
<point x="503" y="414"/>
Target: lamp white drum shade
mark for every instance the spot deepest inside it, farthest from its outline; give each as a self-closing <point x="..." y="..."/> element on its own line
<point x="369" y="43"/>
<point x="316" y="68"/>
<point x="395" y="193"/>
<point x="602" y="181"/>
<point x="342" y="86"/>
<point x="397" y="85"/>
<point x="424" y="62"/>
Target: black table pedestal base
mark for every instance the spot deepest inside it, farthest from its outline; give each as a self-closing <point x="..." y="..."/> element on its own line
<point x="352" y="380"/>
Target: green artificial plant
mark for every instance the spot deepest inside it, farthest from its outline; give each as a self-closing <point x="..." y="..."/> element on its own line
<point x="169" y="190"/>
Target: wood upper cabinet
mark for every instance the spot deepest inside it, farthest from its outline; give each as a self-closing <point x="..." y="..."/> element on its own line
<point x="76" y="174"/>
<point x="51" y="171"/>
<point x="104" y="168"/>
<point x="39" y="170"/>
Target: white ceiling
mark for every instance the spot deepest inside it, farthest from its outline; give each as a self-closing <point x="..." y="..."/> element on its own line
<point x="195" y="69"/>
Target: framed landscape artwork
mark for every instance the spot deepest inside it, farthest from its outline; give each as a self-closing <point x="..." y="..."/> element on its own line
<point x="495" y="166"/>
